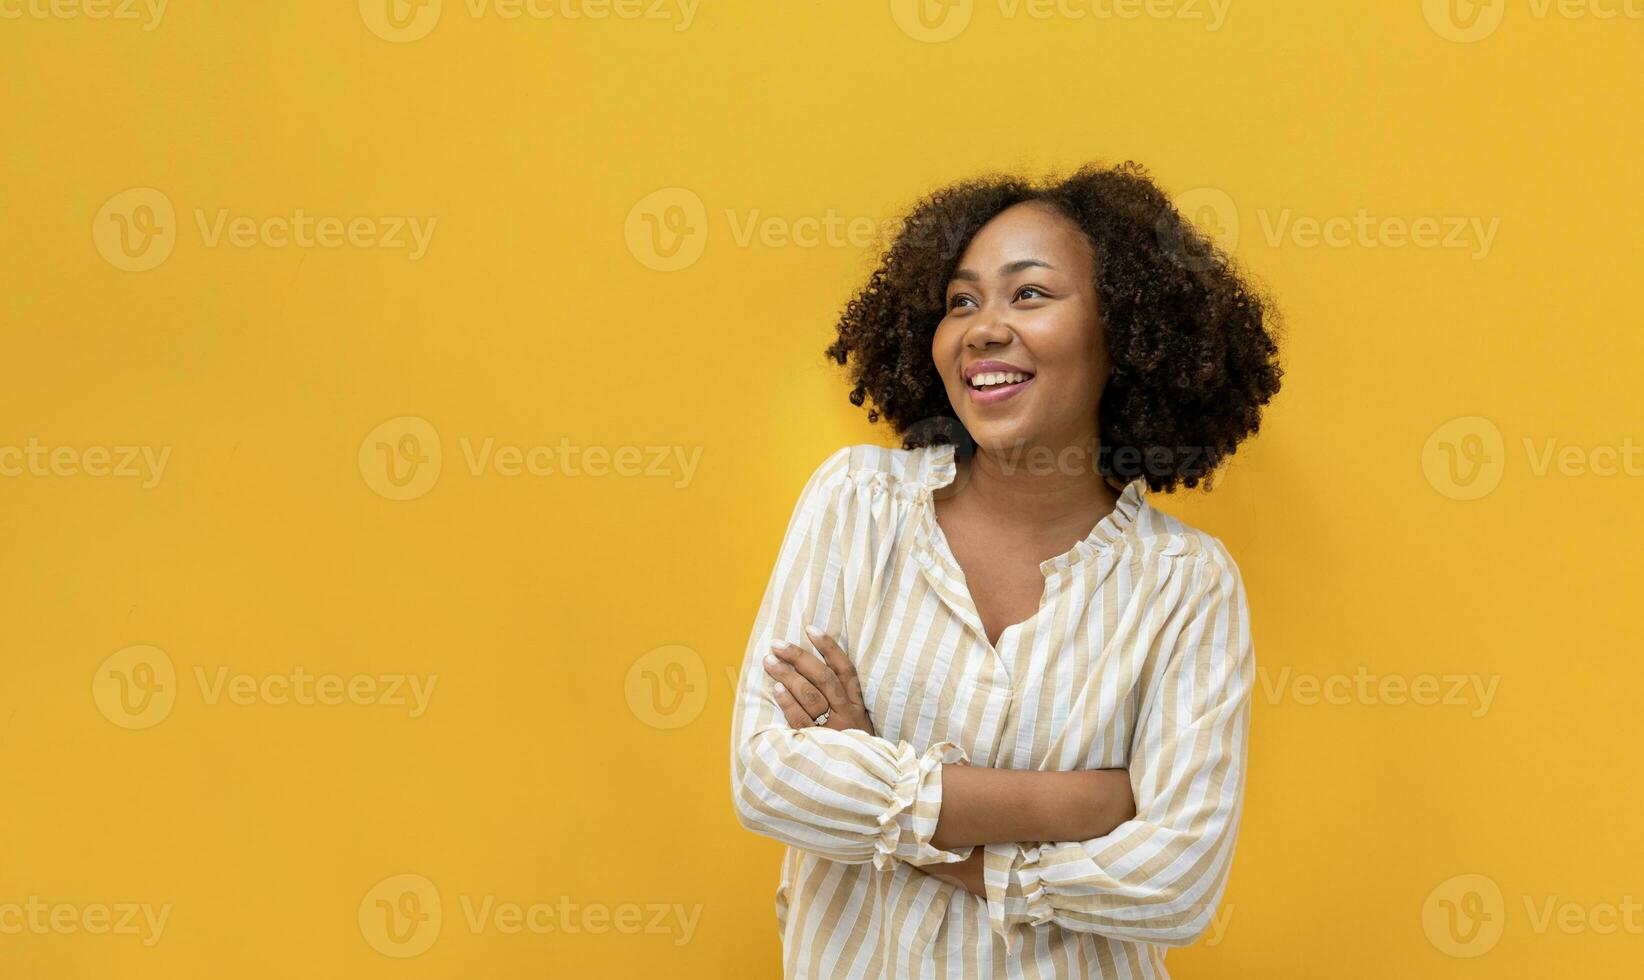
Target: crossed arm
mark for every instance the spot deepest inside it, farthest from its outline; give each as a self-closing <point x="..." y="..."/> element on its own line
<point x="1041" y="847"/>
<point x="979" y="805"/>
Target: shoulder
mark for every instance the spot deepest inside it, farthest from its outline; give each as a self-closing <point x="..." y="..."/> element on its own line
<point x="901" y="472"/>
<point x="1156" y="534"/>
<point x="1211" y="588"/>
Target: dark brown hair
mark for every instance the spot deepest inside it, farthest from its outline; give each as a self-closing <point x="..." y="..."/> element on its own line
<point x="1190" y="339"/>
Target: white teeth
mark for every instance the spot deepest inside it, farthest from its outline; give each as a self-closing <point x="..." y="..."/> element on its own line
<point x="997" y="378"/>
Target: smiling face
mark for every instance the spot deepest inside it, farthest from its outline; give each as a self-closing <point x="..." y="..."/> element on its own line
<point x="1020" y="349"/>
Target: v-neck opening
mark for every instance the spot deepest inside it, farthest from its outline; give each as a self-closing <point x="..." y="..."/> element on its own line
<point x="941" y="471"/>
<point x="941" y="541"/>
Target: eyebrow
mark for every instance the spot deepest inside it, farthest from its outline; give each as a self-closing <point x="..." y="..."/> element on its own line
<point x="1008" y="269"/>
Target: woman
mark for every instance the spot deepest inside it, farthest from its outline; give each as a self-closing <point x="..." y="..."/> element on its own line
<point x="1015" y="742"/>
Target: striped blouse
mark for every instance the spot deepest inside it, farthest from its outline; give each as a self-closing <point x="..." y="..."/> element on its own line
<point x="1139" y="657"/>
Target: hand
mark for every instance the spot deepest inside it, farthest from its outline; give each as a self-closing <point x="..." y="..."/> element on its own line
<point x="806" y="686"/>
<point x="966" y="874"/>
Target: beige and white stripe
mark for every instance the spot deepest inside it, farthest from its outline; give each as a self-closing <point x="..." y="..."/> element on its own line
<point x="1138" y="657"/>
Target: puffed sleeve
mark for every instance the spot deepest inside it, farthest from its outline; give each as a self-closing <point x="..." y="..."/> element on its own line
<point x="1156" y="878"/>
<point x="844" y="795"/>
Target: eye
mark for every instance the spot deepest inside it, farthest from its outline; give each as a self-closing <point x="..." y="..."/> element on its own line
<point x="1037" y="293"/>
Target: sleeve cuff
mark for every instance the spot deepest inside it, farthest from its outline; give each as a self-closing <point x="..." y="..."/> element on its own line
<point x="906" y="827"/>
<point x="1015" y="893"/>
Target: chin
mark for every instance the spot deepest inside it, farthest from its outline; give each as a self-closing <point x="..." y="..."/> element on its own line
<point x="998" y="438"/>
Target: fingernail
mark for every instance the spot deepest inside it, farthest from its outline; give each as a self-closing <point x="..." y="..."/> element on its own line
<point x="780" y="689"/>
<point x="814" y="632"/>
<point x="779" y="645"/>
<point x="770" y="661"/>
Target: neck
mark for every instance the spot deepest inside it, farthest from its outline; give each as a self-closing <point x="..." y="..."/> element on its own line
<point x="1040" y="486"/>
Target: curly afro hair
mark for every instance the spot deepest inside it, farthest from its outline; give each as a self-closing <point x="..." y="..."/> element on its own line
<point x="1190" y="339"/>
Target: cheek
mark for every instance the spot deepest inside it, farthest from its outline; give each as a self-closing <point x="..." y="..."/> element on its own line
<point x="1075" y="357"/>
<point x="944" y="349"/>
<point x="942" y="339"/>
<point x="1078" y="343"/>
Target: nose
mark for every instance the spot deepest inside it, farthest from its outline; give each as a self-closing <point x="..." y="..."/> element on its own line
<point x="985" y="332"/>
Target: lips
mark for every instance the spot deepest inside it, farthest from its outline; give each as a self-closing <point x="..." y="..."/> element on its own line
<point x="990" y="382"/>
<point x="992" y="367"/>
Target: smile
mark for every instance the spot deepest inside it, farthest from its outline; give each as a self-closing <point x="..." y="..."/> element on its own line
<point x="985" y="390"/>
<point x="990" y="382"/>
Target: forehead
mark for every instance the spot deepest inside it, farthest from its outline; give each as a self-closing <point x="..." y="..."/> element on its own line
<point x="1029" y="230"/>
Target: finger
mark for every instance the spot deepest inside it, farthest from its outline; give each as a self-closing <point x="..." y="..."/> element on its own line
<point x="791" y="711"/>
<point x="838" y="663"/>
<point x="814" y="670"/>
<point x="802" y="690"/>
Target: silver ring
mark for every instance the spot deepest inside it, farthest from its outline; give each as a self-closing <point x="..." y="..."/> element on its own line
<point x="822" y="719"/>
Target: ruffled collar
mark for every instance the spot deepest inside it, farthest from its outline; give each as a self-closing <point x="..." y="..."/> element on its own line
<point x="941" y="468"/>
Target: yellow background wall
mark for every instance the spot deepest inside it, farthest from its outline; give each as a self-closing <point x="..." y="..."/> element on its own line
<point x="642" y="227"/>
